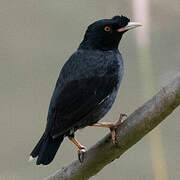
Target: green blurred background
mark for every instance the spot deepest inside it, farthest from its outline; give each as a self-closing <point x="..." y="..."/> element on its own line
<point x="36" y="38"/>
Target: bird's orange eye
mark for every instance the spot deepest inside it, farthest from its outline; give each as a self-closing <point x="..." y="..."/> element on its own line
<point x="107" y="28"/>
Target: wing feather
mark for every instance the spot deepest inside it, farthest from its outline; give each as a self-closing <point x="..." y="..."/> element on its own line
<point x="77" y="99"/>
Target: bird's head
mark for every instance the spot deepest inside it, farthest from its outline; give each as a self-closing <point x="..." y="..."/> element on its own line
<point x="106" y="34"/>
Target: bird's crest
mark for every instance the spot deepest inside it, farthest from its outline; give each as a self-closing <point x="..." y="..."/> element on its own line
<point x="123" y="20"/>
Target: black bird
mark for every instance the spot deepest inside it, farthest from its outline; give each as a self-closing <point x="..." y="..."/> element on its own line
<point x="86" y="88"/>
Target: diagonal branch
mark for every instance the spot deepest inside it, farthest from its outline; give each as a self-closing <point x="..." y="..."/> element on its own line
<point x="136" y="126"/>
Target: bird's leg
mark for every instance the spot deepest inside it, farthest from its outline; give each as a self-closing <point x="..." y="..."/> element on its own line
<point x="81" y="148"/>
<point x="111" y="126"/>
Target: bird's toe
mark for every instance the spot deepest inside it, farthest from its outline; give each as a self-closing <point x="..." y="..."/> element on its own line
<point x="81" y="153"/>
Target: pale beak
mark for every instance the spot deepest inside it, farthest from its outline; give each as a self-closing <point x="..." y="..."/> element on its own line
<point x="130" y="25"/>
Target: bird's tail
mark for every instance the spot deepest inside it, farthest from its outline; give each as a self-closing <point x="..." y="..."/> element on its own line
<point x="46" y="149"/>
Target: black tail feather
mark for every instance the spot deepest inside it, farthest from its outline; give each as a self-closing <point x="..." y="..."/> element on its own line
<point x="46" y="149"/>
<point x="37" y="148"/>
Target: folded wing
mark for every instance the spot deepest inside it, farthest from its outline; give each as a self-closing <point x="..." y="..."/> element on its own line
<point x="76" y="100"/>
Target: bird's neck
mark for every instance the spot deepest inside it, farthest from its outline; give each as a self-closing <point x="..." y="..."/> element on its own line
<point x="94" y="44"/>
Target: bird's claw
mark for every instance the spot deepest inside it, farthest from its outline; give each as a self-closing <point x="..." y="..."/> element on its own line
<point x="81" y="153"/>
<point x="113" y="128"/>
<point x="113" y="134"/>
<point x="121" y="118"/>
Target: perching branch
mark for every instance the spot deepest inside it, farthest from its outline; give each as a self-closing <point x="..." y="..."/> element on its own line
<point x="136" y="126"/>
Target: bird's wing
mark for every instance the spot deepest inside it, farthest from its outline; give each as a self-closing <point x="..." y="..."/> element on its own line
<point x="77" y="99"/>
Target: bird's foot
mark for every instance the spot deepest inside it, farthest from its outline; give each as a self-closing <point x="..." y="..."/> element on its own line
<point x="81" y="152"/>
<point x="120" y="121"/>
<point x="111" y="126"/>
<point x="114" y="126"/>
<point x="81" y="148"/>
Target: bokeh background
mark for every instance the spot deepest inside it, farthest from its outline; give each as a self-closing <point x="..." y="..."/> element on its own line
<point x="38" y="36"/>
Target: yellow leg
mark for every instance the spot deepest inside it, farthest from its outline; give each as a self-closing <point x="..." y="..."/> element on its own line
<point x="111" y="126"/>
<point x="104" y="124"/>
<point x="81" y="148"/>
